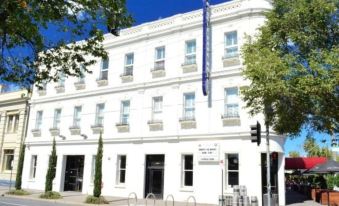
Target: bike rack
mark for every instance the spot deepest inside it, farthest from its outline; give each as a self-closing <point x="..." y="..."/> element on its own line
<point x="193" y="198"/>
<point x="169" y="196"/>
<point x="150" y="195"/>
<point x="135" y="198"/>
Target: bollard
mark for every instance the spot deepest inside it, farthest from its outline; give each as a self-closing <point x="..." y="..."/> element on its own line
<point x="169" y="196"/>
<point x="254" y="201"/>
<point x="135" y="197"/>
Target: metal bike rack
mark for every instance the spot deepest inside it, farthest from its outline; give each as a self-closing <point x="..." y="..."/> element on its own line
<point x="193" y="198"/>
<point x="150" y="195"/>
<point x="169" y="196"/>
<point x="135" y="198"/>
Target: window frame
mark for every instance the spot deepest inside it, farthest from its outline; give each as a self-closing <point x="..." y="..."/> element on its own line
<point x="77" y="116"/>
<point x="234" y="45"/>
<point x="159" y="63"/>
<point x="184" y="170"/>
<point x="227" y="171"/>
<point x="33" y="167"/>
<point x="57" y="118"/>
<point x="188" y="55"/>
<point x="12" y="123"/>
<point x="38" y="119"/>
<point x="102" y="75"/>
<point x="99" y="114"/>
<point x="119" y="169"/>
<point x="124" y="117"/>
<point x="93" y="162"/>
<point x="155" y="111"/>
<point x="128" y="68"/>
<point x="234" y="112"/>
<point x="186" y="108"/>
<point x="5" y="159"/>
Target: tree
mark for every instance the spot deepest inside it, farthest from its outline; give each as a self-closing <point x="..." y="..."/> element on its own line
<point x="314" y="150"/>
<point x="51" y="169"/>
<point x="18" y="179"/>
<point x="292" y="66"/>
<point x="31" y="52"/>
<point x="294" y="154"/>
<point x="98" y="169"/>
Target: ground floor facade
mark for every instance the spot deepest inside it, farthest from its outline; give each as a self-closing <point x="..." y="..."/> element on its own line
<point x="199" y="167"/>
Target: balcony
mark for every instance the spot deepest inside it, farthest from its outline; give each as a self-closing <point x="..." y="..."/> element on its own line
<point x="60" y="88"/>
<point x="122" y="127"/>
<point x="80" y="85"/>
<point x="97" y="128"/>
<point x="75" y="130"/>
<point x="231" y="60"/>
<point x="189" y="67"/>
<point x="230" y="119"/>
<point x="54" y="131"/>
<point x="36" y="132"/>
<point x="188" y="123"/>
<point x="155" y="125"/>
<point x="127" y="76"/>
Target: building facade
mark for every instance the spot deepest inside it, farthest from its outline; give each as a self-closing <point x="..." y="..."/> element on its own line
<point x="160" y="134"/>
<point x="13" y="120"/>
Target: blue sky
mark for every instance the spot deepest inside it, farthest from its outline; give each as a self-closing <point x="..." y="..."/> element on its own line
<point x="150" y="10"/>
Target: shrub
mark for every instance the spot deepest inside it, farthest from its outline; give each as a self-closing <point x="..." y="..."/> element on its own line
<point x="96" y="200"/>
<point x="18" y="192"/>
<point x="50" y="195"/>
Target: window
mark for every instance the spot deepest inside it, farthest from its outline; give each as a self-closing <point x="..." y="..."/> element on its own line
<point x="57" y="116"/>
<point x="129" y="61"/>
<point x="190" y="52"/>
<point x="121" y="173"/>
<point x="104" y="69"/>
<point x="231" y="102"/>
<point x="93" y="168"/>
<point x="34" y="161"/>
<point x="77" y="116"/>
<point x="125" y="112"/>
<point x="187" y="170"/>
<point x="81" y="77"/>
<point x="157" y="108"/>
<point x="12" y="123"/>
<point x="99" y="115"/>
<point x="61" y="81"/>
<point x="8" y="159"/>
<point x="231" y="44"/>
<point x="232" y="169"/>
<point x="189" y="106"/>
<point x="43" y="86"/>
<point x="159" y="58"/>
<point x="38" y="120"/>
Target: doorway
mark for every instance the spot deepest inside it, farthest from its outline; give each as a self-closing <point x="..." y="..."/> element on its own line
<point x="74" y="173"/>
<point x="154" y="180"/>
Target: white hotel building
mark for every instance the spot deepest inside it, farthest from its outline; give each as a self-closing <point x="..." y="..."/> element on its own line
<point x="147" y="100"/>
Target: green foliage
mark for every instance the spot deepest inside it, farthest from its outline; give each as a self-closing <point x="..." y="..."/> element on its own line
<point x="294" y="154"/>
<point x="314" y="150"/>
<point x="293" y="67"/>
<point x="51" y="169"/>
<point x="98" y="169"/>
<point x="50" y="195"/>
<point x="23" y="26"/>
<point x="19" y="192"/>
<point x="18" y="179"/>
<point x="96" y="200"/>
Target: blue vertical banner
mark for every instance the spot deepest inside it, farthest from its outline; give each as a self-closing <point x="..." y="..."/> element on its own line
<point x="206" y="47"/>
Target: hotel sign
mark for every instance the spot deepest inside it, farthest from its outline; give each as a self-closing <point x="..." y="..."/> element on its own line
<point x="208" y="152"/>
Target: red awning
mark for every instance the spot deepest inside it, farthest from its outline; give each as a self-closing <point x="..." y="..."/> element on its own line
<point x="294" y="163"/>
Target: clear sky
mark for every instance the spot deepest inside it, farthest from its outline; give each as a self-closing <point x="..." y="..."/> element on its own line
<point x="150" y="10"/>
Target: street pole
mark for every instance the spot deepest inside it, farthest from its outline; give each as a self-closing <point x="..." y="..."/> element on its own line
<point x="268" y="164"/>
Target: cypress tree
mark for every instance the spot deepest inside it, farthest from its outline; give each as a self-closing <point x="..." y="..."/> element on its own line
<point x="19" y="168"/>
<point x="51" y="169"/>
<point x="98" y="169"/>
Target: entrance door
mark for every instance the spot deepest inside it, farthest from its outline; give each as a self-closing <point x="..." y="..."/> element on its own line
<point x="155" y="175"/>
<point x="74" y="173"/>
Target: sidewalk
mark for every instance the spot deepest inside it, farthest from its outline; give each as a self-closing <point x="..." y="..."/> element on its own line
<point x="77" y="198"/>
<point x="294" y="198"/>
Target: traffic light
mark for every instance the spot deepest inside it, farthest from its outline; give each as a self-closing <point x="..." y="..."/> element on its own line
<point x="256" y="133"/>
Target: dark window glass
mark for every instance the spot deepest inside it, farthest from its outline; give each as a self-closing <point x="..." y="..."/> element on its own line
<point x="123" y="162"/>
<point x="189" y="178"/>
<point x="188" y="162"/>
<point x="122" y="176"/>
<point x="233" y="178"/>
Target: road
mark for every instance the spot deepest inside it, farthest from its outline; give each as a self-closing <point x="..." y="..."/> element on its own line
<point x="12" y="201"/>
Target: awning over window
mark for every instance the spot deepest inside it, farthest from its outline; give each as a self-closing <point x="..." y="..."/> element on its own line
<point x="303" y="162"/>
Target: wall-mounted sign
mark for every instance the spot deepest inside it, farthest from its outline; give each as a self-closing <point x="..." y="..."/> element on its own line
<point x="208" y="152"/>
